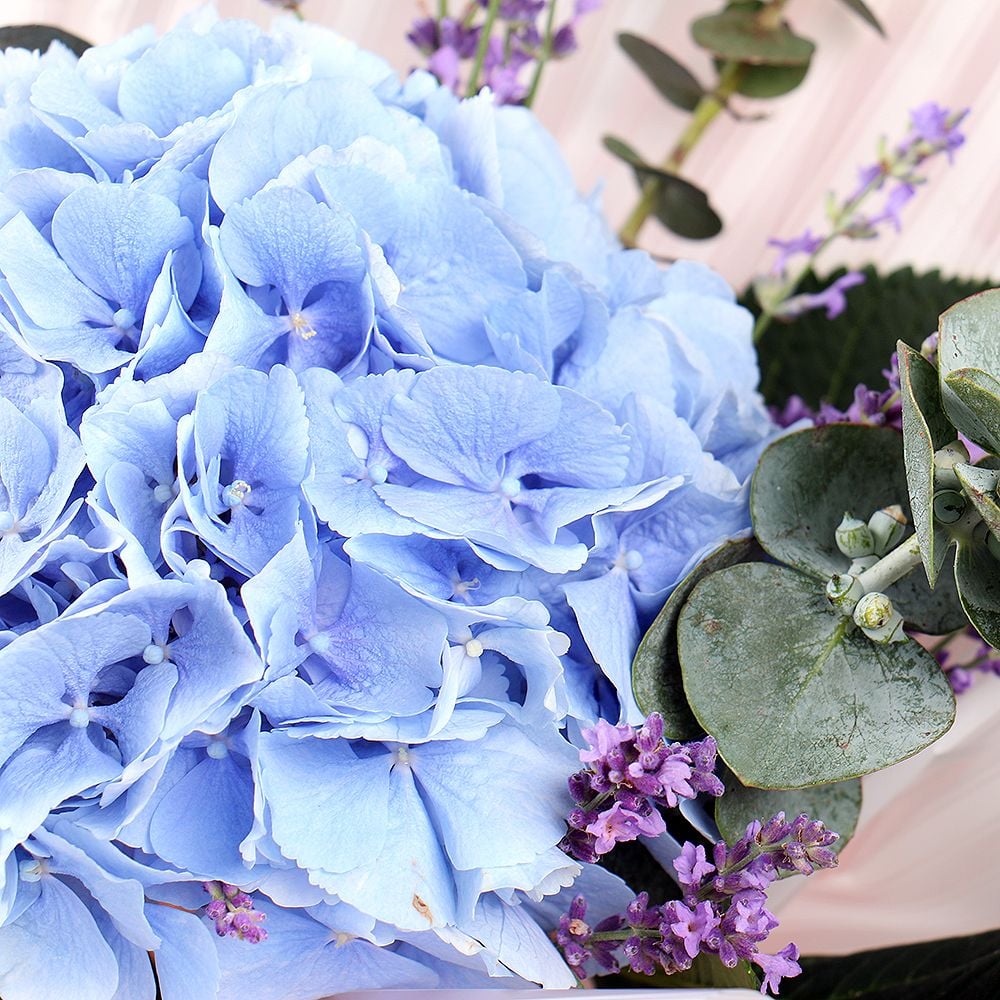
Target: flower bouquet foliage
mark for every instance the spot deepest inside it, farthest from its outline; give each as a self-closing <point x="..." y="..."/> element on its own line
<point x="360" y="487"/>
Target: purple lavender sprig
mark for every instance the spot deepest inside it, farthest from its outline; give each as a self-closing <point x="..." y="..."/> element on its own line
<point x="630" y="775"/>
<point x="984" y="659"/>
<point x="897" y="173"/>
<point x="723" y="911"/>
<point x="234" y="913"/>
<point x="506" y="43"/>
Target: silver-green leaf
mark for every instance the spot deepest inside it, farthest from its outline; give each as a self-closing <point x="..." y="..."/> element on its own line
<point x="792" y="692"/>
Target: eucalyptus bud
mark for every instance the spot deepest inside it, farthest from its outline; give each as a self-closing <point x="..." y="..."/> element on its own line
<point x="844" y="591"/>
<point x="858" y="566"/>
<point x="945" y="460"/>
<point x="949" y="506"/>
<point x="878" y="619"/>
<point x="854" y="538"/>
<point x="887" y="526"/>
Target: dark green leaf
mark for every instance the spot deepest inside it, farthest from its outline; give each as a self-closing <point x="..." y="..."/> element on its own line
<point x="837" y="805"/>
<point x="738" y="35"/>
<point x="681" y="206"/>
<point x="979" y="394"/>
<point x="685" y="209"/>
<point x="862" y="10"/>
<point x="656" y="671"/>
<point x="794" y="694"/>
<point x="951" y="969"/>
<point x="977" y="573"/>
<point x="925" y="429"/>
<point x="674" y="81"/>
<point x="40" y="37"/>
<point x="969" y="338"/>
<point x="706" y="971"/>
<point x="822" y="359"/>
<point x="764" y="82"/>
<point x="980" y="486"/>
<point x="806" y="481"/>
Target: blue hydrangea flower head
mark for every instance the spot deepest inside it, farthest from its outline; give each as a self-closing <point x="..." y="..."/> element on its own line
<point x="344" y="456"/>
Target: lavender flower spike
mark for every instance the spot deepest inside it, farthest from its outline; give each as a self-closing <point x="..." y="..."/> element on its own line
<point x="832" y="298"/>
<point x="233" y="913"/>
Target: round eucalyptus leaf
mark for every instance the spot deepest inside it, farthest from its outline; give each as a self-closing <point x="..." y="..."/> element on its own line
<point x="804" y="484"/>
<point x="980" y="486"/>
<point x="925" y="429"/>
<point x="977" y="573"/>
<point x="656" y="670"/>
<point x="763" y="82"/>
<point x="806" y="481"/>
<point x="674" y="82"/>
<point x="979" y="395"/>
<point x="40" y="37"/>
<point x="794" y="694"/>
<point x="837" y="805"/>
<point x="969" y="337"/>
<point x="737" y="34"/>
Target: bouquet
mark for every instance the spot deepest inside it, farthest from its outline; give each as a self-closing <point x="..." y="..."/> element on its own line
<point x="347" y="457"/>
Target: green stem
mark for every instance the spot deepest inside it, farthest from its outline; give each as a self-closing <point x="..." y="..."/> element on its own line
<point x="484" y="43"/>
<point x="544" y="55"/>
<point x="893" y="566"/>
<point x="442" y="9"/>
<point x="703" y="115"/>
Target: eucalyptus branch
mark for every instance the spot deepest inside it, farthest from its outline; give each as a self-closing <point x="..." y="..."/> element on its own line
<point x="705" y="112"/>
<point x="892" y="566"/>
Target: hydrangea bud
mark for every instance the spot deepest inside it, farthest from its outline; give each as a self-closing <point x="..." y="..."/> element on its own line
<point x="949" y="506"/>
<point x="878" y="619"/>
<point x="854" y="537"/>
<point x="887" y="526"/>
<point x="844" y="591"/>
<point x="945" y="460"/>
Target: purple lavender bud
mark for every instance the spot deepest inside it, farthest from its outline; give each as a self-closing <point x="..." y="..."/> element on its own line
<point x="897" y="198"/>
<point x="937" y="127"/>
<point x="832" y="299"/>
<point x="423" y="35"/>
<point x="579" y="786"/>
<point x="807" y="243"/>
<point x="794" y="410"/>
<point x="692" y="866"/>
<point x="774" y="829"/>
<point x="602" y="738"/>
<point x="960" y="679"/>
<point x="444" y="64"/>
<point x="564" y="41"/>
<point x="579" y="844"/>
<point x="777" y="967"/>
<point x="650" y="735"/>
<point x="691" y="925"/>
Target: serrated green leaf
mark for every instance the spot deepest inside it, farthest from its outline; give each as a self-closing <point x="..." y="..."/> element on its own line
<point x="804" y="483"/>
<point x="925" y="429"/>
<point x="821" y="359"/>
<point x="674" y="82"/>
<point x="837" y="805"/>
<point x="656" y="670"/>
<point x="932" y="970"/>
<point x="969" y="337"/>
<point x="979" y="394"/>
<point x="794" y="694"/>
<point x="977" y="573"/>
<point x="862" y="10"/>
<point x="737" y="34"/>
<point x="40" y="37"/>
<point x="980" y="486"/>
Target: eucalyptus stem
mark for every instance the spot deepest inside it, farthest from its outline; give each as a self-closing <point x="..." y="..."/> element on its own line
<point x="704" y="113"/>
<point x="544" y="55"/>
<point x="484" y="42"/>
<point x="892" y="566"/>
